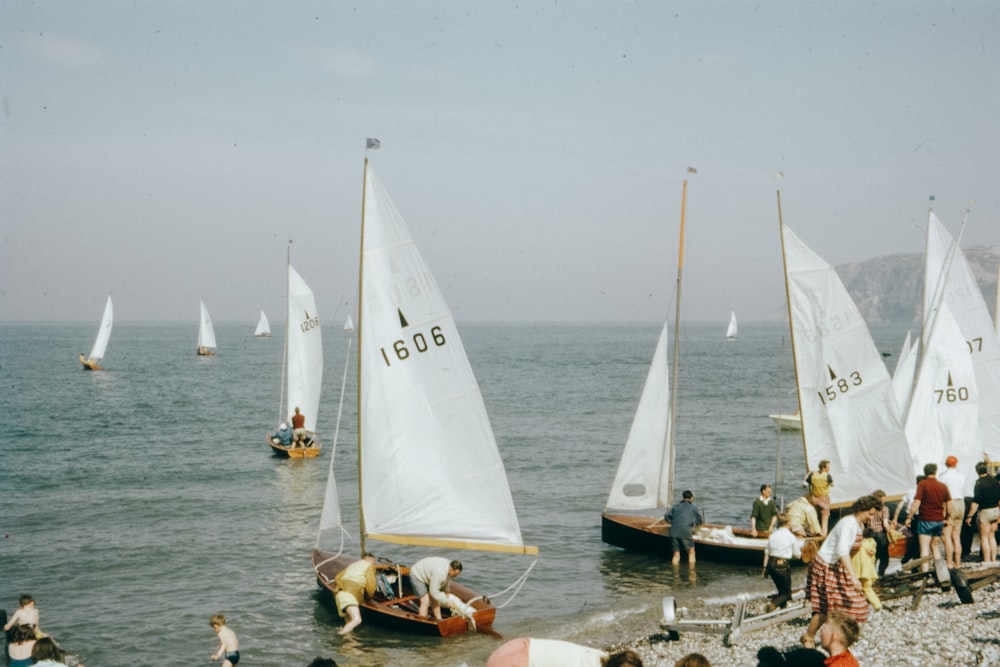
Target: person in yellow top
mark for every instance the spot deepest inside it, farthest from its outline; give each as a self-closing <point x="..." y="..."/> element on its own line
<point x="819" y="483"/>
<point x="354" y="584"/>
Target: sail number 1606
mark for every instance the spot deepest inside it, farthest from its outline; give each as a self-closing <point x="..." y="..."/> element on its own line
<point x="400" y="350"/>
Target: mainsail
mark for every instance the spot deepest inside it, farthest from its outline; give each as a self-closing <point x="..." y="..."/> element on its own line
<point x="303" y="351"/>
<point x="263" y="329"/>
<point x="732" y="330"/>
<point x="206" y="333"/>
<point x="103" y="333"/>
<point x="846" y="396"/>
<point x="431" y="473"/>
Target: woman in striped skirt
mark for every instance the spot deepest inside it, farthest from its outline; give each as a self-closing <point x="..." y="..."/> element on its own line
<point x="831" y="583"/>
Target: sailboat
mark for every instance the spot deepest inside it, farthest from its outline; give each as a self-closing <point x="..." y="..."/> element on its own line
<point x="302" y="369"/>
<point x="93" y="362"/>
<point x="732" y="329"/>
<point x="845" y="393"/>
<point x="206" y="333"/>
<point x="643" y="486"/>
<point x="787" y="422"/>
<point x="429" y="471"/>
<point x="263" y="327"/>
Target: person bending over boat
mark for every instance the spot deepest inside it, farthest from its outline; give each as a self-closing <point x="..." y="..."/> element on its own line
<point x="299" y="428"/>
<point x="430" y="578"/>
<point x="355" y="583"/>
<point x="529" y="652"/>
<point x="831" y="582"/>
<point x="803" y="520"/>
<point x="683" y="517"/>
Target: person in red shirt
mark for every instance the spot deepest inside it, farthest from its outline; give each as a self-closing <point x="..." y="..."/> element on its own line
<point x="930" y="507"/>
<point x="298" y="428"/>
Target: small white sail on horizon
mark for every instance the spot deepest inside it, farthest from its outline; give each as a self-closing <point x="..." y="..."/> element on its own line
<point x="732" y="329"/>
<point x="206" y="332"/>
<point x="846" y="397"/>
<point x="103" y="333"/>
<point x="263" y="329"/>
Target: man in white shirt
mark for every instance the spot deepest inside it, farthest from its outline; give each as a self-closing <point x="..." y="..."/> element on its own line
<point x="951" y="534"/>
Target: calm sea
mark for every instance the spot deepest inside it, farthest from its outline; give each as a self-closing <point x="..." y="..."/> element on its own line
<point x="141" y="500"/>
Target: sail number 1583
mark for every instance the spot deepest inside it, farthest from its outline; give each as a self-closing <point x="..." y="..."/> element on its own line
<point x="400" y="350"/>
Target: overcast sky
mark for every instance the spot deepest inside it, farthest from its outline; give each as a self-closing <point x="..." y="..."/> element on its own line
<point x="166" y="152"/>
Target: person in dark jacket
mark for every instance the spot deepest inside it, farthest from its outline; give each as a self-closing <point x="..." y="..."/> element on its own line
<point x="683" y="517"/>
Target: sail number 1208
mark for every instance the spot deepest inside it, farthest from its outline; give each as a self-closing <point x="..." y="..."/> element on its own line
<point x="419" y="342"/>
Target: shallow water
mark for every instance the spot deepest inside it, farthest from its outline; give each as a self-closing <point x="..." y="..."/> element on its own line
<point x="140" y="500"/>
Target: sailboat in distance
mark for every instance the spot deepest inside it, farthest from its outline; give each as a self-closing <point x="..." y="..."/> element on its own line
<point x="263" y="329"/>
<point x="206" y="333"/>
<point x="302" y="370"/>
<point x="93" y="362"/>
<point x="733" y="328"/>
<point x="429" y="471"/>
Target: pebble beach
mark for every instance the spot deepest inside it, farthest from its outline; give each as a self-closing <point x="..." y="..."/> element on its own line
<point x="941" y="631"/>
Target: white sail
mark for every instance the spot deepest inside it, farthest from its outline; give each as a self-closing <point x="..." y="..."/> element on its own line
<point x="902" y="376"/>
<point x="949" y="279"/>
<point x="846" y="397"/>
<point x="330" y="517"/>
<point x="263" y="327"/>
<point x="732" y="330"/>
<point x="303" y="351"/>
<point x="943" y="416"/>
<point x="431" y="471"/>
<point x="104" y="332"/>
<point x="644" y="470"/>
<point x="206" y="333"/>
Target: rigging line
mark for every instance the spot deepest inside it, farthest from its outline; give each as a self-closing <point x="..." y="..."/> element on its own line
<point x="519" y="583"/>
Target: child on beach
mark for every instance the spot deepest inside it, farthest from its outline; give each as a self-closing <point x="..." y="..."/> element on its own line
<point x="229" y="646"/>
<point x="836" y="636"/>
<point x="26" y="614"/>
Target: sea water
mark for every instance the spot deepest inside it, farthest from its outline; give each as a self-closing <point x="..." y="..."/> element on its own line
<point x="140" y="500"/>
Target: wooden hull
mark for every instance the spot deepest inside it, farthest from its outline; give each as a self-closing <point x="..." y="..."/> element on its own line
<point x="91" y="366"/>
<point x="310" y="451"/>
<point x="400" y="611"/>
<point x="722" y="544"/>
<point x="205" y="352"/>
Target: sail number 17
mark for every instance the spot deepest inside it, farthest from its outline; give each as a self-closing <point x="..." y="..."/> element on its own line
<point x="401" y="348"/>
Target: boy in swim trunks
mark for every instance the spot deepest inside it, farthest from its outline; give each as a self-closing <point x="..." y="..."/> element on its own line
<point x="229" y="646"/>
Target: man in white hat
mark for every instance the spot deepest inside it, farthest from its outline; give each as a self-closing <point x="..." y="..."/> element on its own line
<point x="951" y="534"/>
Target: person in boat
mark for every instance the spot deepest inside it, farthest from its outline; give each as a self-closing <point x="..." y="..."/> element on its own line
<point x="531" y="652"/>
<point x="299" y="428"/>
<point x="683" y="517"/>
<point x="430" y="578"/>
<point x="930" y="507"/>
<point x="951" y="534"/>
<point x="283" y="435"/>
<point x="764" y="513"/>
<point x="985" y="499"/>
<point x="803" y="519"/>
<point x="27" y="614"/>
<point x="781" y="548"/>
<point x="877" y="529"/>
<point x="831" y="582"/>
<point x="20" y="644"/>
<point x="837" y="636"/>
<point x="819" y="483"/>
<point x="354" y="584"/>
<point x="229" y="645"/>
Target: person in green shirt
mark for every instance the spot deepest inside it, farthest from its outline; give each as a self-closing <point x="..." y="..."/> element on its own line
<point x="765" y="512"/>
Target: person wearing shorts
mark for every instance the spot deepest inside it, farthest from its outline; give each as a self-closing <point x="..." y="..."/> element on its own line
<point x="929" y="506"/>
<point x="683" y="517"/>
<point x="985" y="499"/>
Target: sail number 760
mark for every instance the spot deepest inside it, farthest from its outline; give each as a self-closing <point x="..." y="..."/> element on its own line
<point x="419" y="342"/>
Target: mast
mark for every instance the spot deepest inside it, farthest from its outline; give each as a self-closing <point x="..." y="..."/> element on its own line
<point x="288" y="323"/>
<point x="791" y="330"/>
<point x="361" y="287"/>
<point x="672" y="442"/>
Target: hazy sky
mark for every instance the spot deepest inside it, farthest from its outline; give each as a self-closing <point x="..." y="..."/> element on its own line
<point x="167" y="151"/>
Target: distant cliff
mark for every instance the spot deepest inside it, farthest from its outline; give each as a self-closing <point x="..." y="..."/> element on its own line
<point x="890" y="288"/>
